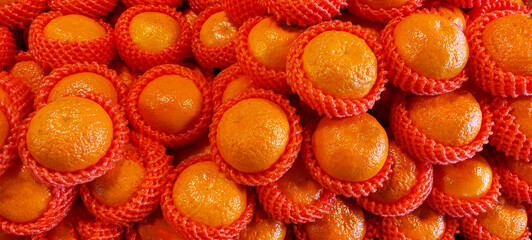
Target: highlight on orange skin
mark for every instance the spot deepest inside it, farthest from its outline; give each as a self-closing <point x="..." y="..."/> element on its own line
<point x="447" y="10"/>
<point x="345" y="220"/>
<point x="123" y="71"/>
<point x="218" y="30"/>
<point x="120" y="184"/>
<point x="269" y="43"/>
<point x="352" y="149"/>
<point x="190" y="16"/>
<point x="470" y="179"/>
<point x="508" y="41"/>
<point x="253" y="134"/>
<point x="171" y="104"/>
<point x="340" y="64"/>
<point x="422" y="223"/>
<point x="22" y="198"/>
<point x="74" y="28"/>
<point x="154" y="31"/>
<point x="263" y="227"/>
<point x="522" y="111"/>
<point x="30" y="72"/>
<point x="507" y="219"/>
<point x="236" y="87"/>
<point x="70" y="134"/>
<point x="298" y="186"/>
<point x="205" y="195"/>
<point x="154" y="227"/>
<point x="431" y="45"/>
<point x="453" y="118"/>
<point x="402" y="179"/>
<point x="83" y="82"/>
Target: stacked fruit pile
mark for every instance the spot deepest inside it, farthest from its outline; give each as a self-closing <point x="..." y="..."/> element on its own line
<point x="270" y="119"/>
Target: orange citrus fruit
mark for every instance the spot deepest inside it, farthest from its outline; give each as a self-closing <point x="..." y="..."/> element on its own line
<point x="431" y="45"/>
<point x="402" y="179"/>
<point x="74" y="28"/>
<point x="522" y="111"/>
<point x="520" y="168"/>
<point x="205" y="195"/>
<point x="470" y="179"/>
<point x="83" y="82"/>
<point x="154" y="227"/>
<point x="506" y="219"/>
<point x="298" y="186"/>
<point x="190" y="16"/>
<point x="70" y="134"/>
<point x="345" y="220"/>
<point x="120" y="184"/>
<point x="30" y="72"/>
<point x="340" y="64"/>
<point x="253" y="134"/>
<point x="236" y="87"/>
<point x="4" y="129"/>
<point x="171" y="104"/>
<point x="263" y="227"/>
<point x="423" y="223"/>
<point x="453" y="118"/>
<point x="384" y="4"/>
<point x="447" y="10"/>
<point x="508" y="41"/>
<point x="123" y="71"/>
<point x="218" y="30"/>
<point x="269" y="42"/>
<point x="352" y="149"/>
<point x="154" y="31"/>
<point x="22" y="198"/>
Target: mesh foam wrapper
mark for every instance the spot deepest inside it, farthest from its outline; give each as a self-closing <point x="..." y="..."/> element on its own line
<point x="141" y="60"/>
<point x="417" y="195"/>
<point x="170" y="140"/>
<point x="507" y="137"/>
<point x="21" y="13"/>
<point x="513" y="185"/>
<point x="471" y="229"/>
<point x="262" y="76"/>
<point x="9" y="152"/>
<point x="221" y="81"/>
<point x="89" y="8"/>
<point x="99" y="230"/>
<point x="171" y="3"/>
<point x="241" y="10"/>
<point x="498" y="6"/>
<point x="8" y="48"/>
<point x="473" y="3"/>
<point x="371" y="229"/>
<point x="199" y="6"/>
<point x="209" y="57"/>
<point x="457" y="207"/>
<point x="62" y="201"/>
<point x="191" y="229"/>
<point x="484" y="71"/>
<point x="382" y="15"/>
<point x="303" y="12"/>
<point x="51" y="53"/>
<point x="274" y="202"/>
<point x="389" y="231"/>
<point x="424" y="148"/>
<point x="19" y="94"/>
<point x="58" y="74"/>
<point x="337" y="186"/>
<point x="106" y="163"/>
<point x="404" y="77"/>
<point x="282" y="164"/>
<point x="323" y="103"/>
<point x="146" y="199"/>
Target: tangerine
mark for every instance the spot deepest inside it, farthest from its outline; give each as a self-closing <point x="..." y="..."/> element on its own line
<point x="154" y="31"/>
<point x="83" y="82"/>
<point x="74" y="28"/>
<point x="522" y="111"/>
<point x="154" y="227"/>
<point x="236" y="87"/>
<point x="218" y="30"/>
<point x="30" y="72"/>
<point x="298" y="186"/>
<point x="263" y="227"/>
<point x="506" y="219"/>
<point x="422" y="224"/>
